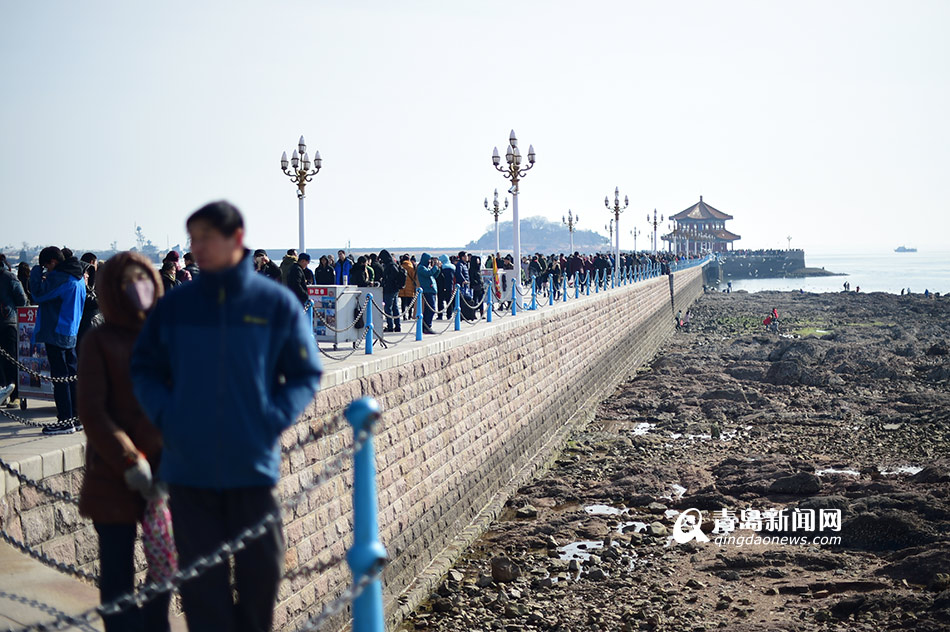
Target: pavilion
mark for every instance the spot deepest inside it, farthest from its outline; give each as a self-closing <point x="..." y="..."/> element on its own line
<point x="700" y="228"/>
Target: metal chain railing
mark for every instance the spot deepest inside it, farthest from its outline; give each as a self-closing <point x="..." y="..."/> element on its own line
<point x="26" y="369"/>
<point x="62" y="567"/>
<point x="39" y="424"/>
<point x="359" y="314"/>
<point x="334" y="607"/>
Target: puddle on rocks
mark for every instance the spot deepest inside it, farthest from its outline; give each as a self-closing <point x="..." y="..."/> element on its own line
<point x="676" y="493"/>
<point x="901" y="469"/>
<point x="643" y="427"/>
<point x="604" y="510"/>
<point x="580" y="550"/>
<point x="832" y="470"/>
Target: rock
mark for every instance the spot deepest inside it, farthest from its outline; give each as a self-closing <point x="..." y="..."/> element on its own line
<point x="784" y="372"/>
<point x="798" y="484"/>
<point x="697" y="585"/>
<point x="597" y="575"/>
<point x="526" y="512"/>
<point x="656" y="508"/>
<point x="922" y="569"/>
<point x="932" y="474"/>
<point x="455" y="576"/>
<point x="443" y="604"/>
<point x="887" y="530"/>
<point x="483" y="581"/>
<point x="504" y="570"/>
<point x="939" y="349"/>
<point x="657" y="529"/>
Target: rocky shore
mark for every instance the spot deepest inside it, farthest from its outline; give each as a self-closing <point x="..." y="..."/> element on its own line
<point x="846" y="409"/>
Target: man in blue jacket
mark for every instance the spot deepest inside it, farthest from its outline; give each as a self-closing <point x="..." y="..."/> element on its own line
<point x="58" y="287"/>
<point x="221" y="425"/>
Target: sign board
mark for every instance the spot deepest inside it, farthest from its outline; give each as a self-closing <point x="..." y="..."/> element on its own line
<point x="32" y="356"/>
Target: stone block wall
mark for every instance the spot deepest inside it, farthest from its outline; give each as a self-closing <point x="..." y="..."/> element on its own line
<point x="468" y="418"/>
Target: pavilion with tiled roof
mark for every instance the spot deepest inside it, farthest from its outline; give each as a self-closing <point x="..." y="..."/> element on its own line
<point x="700" y="228"/>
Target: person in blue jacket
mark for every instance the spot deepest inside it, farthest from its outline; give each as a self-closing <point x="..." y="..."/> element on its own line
<point x="342" y="269"/>
<point x="259" y="368"/>
<point x="426" y="275"/>
<point x="59" y="288"/>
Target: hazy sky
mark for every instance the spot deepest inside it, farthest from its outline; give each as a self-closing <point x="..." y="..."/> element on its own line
<point x="826" y="121"/>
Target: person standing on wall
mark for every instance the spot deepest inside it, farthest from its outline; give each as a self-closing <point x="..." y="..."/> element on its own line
<point x="59" y="288"/>
<point x="221" y="427"/>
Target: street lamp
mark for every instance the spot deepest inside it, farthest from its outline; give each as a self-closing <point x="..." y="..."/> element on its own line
<point x="617" y="210"/>
<point x="571" y="223"/>
<point x="654" y="227"/>
<point x="514" y="172"/>
<point x="496" y="211"/>
<point x="610" y="227"/>
<point x="634" y="233"/>
<point x="789" y="238"/>
<point x="300" y="174"/>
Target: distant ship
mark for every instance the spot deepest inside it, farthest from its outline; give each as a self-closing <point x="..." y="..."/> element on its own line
<point x="904" y="249"/>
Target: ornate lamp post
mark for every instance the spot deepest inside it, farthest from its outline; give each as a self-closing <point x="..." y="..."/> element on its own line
<point x="571" y="223"/>
<point x="655" y="222"/>
<point x="514" y="172"/>
<point x="789" y="238"/>
<point x="634" y="233"/>
<point x="496" y="210"/>
<point x="610" y="227"/>
<point x="300" y="174"/>
<point x="617" y="210"/>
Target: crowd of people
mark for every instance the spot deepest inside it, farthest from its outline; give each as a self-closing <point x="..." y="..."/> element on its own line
<point x="122" y="337"/>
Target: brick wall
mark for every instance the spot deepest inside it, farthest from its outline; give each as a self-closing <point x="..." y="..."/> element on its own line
<point x="467" y="419"/>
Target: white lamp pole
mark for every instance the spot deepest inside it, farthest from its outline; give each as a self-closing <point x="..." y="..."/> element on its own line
<point x="571" y="222"/>
<point x="496" y="210"/>
<point x="300" y="174"/>
<point x="617" y="210"/>
<point x="514" y="172"/>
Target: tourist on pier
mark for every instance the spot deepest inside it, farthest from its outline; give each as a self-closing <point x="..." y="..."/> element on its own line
<point x="478" y="286"/>
<point x="408" y="292"/>
<point x="59" y="289"/>
<point x="360" y="276"/>
<point x="169" y="281"/>
<point x="342" y="267"/>
<point x="427" y="273"/>
<point x="123" y="447"/>
<point x="263" y="265"/>
<point x="23" y="276"/>
<point x="446" y="283"/>
<point x="464" y="285"/>
<point x="12" y="296"/>
<point x="393" y="279"/>
<point x="259" y="368"/>
<point x="324" y="274"/>
<point x="679" y="318"/>
<point x="376" y="268"/>
<point x="287" y="264"/>
<point x="191" y="266"/>
<point x="297" y="280"/>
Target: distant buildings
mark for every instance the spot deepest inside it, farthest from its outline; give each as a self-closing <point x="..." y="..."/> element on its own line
<point x="700" y="228"/>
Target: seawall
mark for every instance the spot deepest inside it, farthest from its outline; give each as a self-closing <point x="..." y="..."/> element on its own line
<point x="468" y="418"/>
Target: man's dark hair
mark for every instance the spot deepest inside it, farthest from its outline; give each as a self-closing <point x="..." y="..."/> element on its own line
<point x="292" y="252"/>
<point x="89" y="257"/>
<point x="189" y="257"/>
<point x="221" y="216"/>
<point x="303" y="257"/>
<point x="67" y="253"/>
<point x="461" y="253"/>
<point x="49" y="254"/>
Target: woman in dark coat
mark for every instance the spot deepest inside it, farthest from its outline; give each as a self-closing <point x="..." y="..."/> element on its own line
<point x="475" y="280"/>
<point x="123" y="447"/>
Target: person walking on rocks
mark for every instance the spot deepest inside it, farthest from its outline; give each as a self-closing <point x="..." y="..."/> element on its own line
<point x="123" y="446"/>
<point x="221" y="426"/>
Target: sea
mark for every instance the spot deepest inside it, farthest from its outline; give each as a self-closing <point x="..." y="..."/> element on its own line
<point x="871" y="271"/>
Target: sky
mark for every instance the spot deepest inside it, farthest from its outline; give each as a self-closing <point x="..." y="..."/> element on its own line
<point x="824" y="121"/>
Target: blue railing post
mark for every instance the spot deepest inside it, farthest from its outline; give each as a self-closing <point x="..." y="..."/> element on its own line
<point x="514" y="299"/>
<point x="419" y="308"/>
<point x="613" y="277"/>
<point x="491" y="295"/>
<point x="458" y="308"/>
<point x="564" y="298"/>
<point x="596" y="281"/>
<point x="368" y="553"/>
<point x="550" y="290"/>
<point x="577" y="285"/>
<point x="587" y="284"/>
<point x="369" y="324"/>
<point x="534" y="293"/>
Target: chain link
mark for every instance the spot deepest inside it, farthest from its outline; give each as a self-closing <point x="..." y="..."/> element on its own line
<point x="350" y="594"/>
<point x="23" y="367"/>
<point x="64" y="496"/>
<point x="362" y="305"/>
<point x="39" y="424"/>
<point x="62" y="567"/>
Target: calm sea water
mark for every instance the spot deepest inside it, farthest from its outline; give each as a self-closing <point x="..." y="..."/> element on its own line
<point x="872" y="272"/>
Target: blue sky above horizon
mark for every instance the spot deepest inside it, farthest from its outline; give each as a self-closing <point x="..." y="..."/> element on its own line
<point x="824" y="121"/>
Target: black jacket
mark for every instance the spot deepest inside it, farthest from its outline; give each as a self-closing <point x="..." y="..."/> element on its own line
<point x="297" y="283"/>
<point x="324" y="276"/>
<point x="394" y="277"/>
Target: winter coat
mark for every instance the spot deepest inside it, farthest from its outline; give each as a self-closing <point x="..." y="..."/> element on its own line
<point x="11" y="297"/>
<point x="393" y="277"/>
<point x="343" y="269"/>
<point x="324" y="276"/>
<point x="91" y="315"/>
<point x="271" y="271"/>
<point x="285" y="264"/>
<point x="360" y="275"/>
<point x="427" y="276"/>
<point x="61" y="295"/>
<point x="194" y="271"/>
<point x="222" y="367"/>
<point x="409" y="287"/>
<point x="297" y="283"/>
<point x="116" y="427"/>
